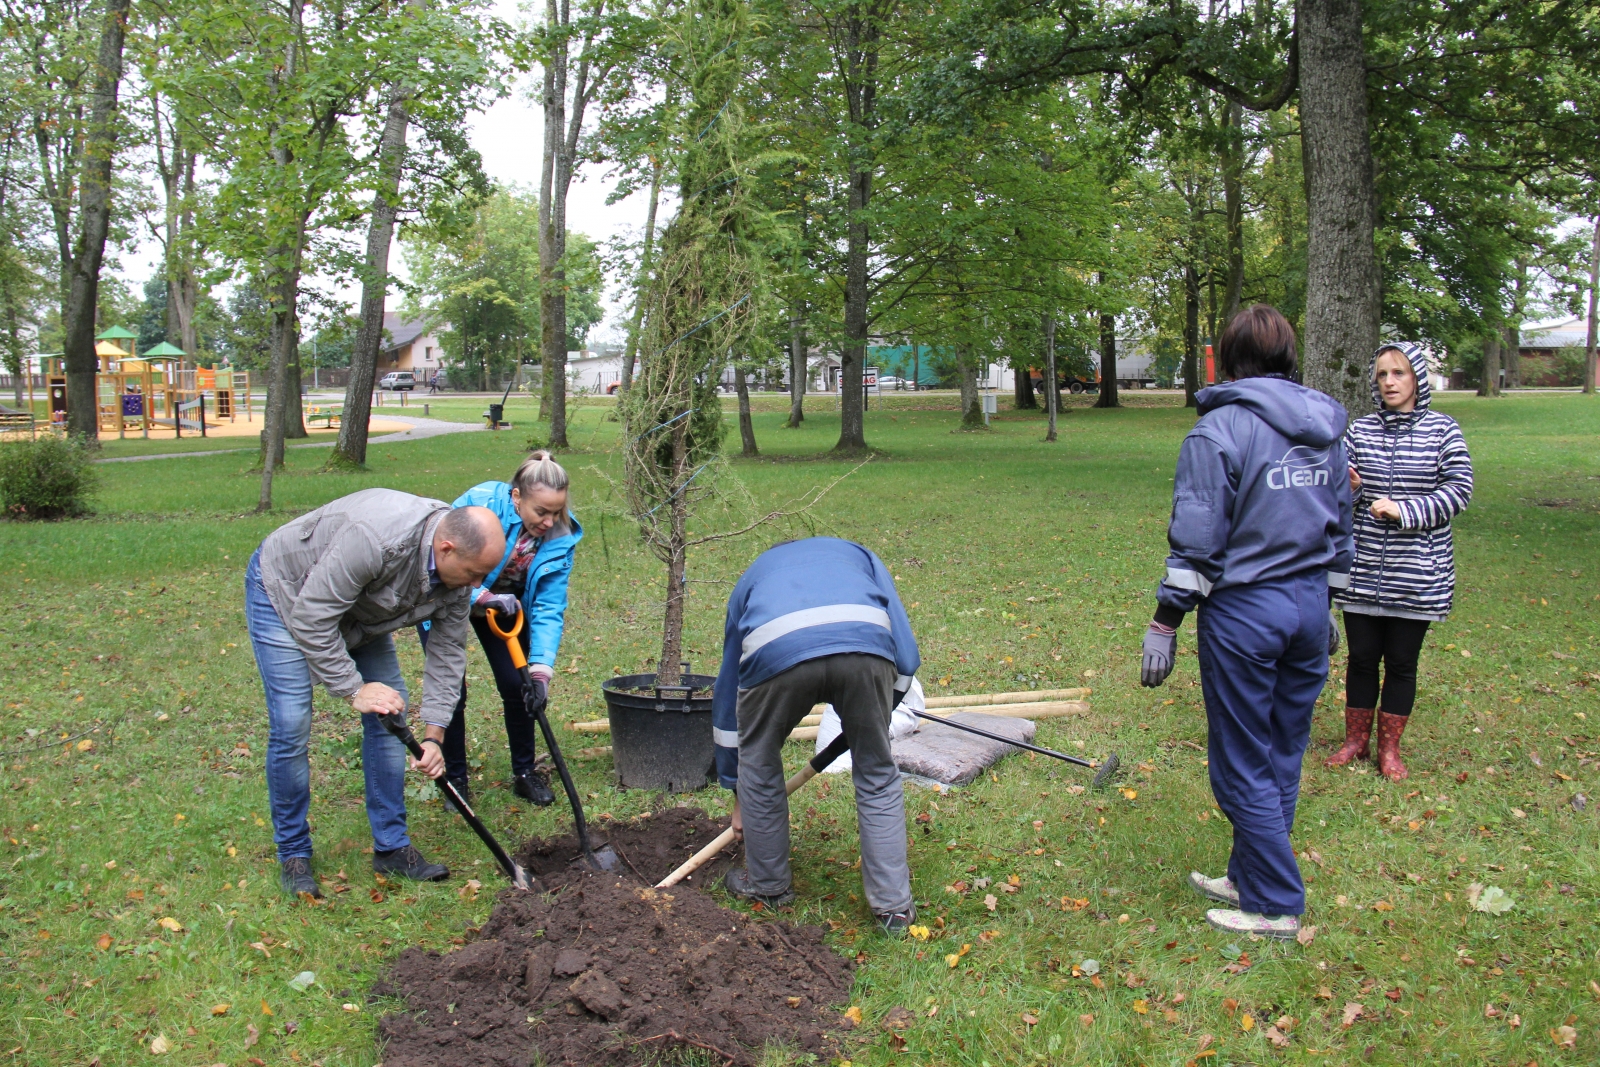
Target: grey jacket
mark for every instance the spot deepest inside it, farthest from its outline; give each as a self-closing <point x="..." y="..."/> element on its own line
<point x="357" y="568"/>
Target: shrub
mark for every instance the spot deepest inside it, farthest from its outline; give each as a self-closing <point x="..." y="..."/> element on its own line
<point x="50" y="478"/>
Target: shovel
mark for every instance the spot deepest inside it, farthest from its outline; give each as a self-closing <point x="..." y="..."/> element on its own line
<point x="605" y="857"/>
<point x="1101" y="776"/>
<point x="520" y="878"/>
<point x="815" y="766"/>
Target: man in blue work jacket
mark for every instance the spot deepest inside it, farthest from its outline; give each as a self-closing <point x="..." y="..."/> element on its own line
<point x="813" y="622"/>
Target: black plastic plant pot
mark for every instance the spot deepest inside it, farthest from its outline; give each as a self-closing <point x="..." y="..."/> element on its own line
<point x="661" y="734"/>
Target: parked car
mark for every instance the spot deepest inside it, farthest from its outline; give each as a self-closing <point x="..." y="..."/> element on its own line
<point x="890" y="382"/>
<point x="402" y="380"/>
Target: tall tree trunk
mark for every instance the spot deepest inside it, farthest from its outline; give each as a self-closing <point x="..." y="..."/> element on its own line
<point x="797" y="367"/>
<point x="1590" y="353"/>
<point x="554" y="102"/>
<point x="294" y="411"/>
<point x="351" y="449"/>
<point x="1233" y="206"/>
<point x="1343" y="281"/>
<point x="861" y="93"/>
<point x="747" y="430"/>
<point x="642" y="282"/>
<point x="1191" y="334"/>
<point x="94" y="220"/>
<point x="1052" y="381"/>
<point x="971" y="403"/>
<point x="1022" y="388"/>
<point x="668" y="670"/>
<point x="1511" y="333"/>
<point x="282" y="291"/>
<point x="1108" y="362"/>
<point x="1490" y="385"/>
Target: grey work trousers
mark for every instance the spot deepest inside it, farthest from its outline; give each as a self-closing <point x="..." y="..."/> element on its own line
<point x="861" y="689"/>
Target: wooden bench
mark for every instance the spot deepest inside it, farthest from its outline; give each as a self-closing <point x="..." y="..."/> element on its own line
<point x="330" y="414"/>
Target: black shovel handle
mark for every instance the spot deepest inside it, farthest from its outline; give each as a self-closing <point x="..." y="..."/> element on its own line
<point x="578" y="821"/>
<point x="519" y="877"/>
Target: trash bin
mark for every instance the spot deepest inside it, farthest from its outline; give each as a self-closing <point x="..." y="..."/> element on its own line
<point x="496" y="414"/>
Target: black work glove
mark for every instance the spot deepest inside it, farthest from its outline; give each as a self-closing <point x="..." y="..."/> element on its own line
<point x="505" y="604"/>
<point x="1333" y="633"/>
<point x="1160" y="649"/>
<point x="538" y="693"/>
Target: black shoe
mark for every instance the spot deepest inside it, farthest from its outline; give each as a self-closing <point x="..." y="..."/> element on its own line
<point x="738" y="883"/>
<point x="294" y="874"/>
<point x="408" y="863"/>
<point x="534" y="788"/>
<point x="462" y="788"/>
<point x="896" y="923"/>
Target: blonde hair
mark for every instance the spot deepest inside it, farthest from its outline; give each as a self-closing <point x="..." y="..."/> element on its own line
<point x="541" y="471"/>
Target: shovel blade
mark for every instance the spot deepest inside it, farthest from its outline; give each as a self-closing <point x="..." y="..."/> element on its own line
<point x="521" y="879"/>
<point x="604" y="858"/>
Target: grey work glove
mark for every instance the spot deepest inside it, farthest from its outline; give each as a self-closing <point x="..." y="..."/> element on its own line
<point x="505" y="604"/>
<point x="1333" y="633"/>
<point x="1160" y="649"/>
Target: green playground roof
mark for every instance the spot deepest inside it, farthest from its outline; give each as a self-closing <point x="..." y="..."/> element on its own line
<point x="116" y="333"/>
<point x="164" y="349"/>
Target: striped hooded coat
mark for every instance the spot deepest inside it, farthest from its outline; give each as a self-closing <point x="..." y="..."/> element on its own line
<point x="1419" y="460"/>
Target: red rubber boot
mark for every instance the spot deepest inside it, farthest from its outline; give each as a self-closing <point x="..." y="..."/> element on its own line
<point x="1390" y="727"/>
<point x="1357" y="731"/>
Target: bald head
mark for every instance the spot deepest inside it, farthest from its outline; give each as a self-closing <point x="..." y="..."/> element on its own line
<point x="466" y="546"/>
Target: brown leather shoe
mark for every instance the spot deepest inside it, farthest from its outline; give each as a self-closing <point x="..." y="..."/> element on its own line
<point x="1390" y="727"/>
<point x="1357" y="731"/>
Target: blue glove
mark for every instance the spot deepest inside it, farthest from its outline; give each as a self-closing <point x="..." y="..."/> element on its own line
<point x="505" y="604"/>
<point x="1160" y="649"/>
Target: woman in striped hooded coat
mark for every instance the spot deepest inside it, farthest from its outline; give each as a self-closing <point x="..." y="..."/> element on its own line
<point x="1411" y="474"/>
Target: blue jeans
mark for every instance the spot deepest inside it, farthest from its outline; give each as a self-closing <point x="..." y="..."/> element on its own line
<point x="1263" y="662"/>
<point x="289" y="688"/>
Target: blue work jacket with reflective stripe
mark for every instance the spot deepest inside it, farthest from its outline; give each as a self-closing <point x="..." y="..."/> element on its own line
<point x="801" y="601"/>
<point x="544" y="595"/>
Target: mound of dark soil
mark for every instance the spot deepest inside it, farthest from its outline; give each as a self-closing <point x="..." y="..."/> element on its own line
<point x="650" y="847"/>
<point x="603" y="970"/>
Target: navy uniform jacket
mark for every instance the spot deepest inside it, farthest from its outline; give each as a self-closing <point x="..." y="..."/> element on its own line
<point x="799" y="601"/>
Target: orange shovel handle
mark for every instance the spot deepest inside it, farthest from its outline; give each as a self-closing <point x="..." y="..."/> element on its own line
<point x="513" y="646"/>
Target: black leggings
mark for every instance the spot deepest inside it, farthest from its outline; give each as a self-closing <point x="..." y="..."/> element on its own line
<point x="1398" y="644"/>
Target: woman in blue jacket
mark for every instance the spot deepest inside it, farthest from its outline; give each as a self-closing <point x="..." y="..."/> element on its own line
<point x="541" y="535"/>
<point x="1412" y="473"/>
<point x="1260" y="534"/>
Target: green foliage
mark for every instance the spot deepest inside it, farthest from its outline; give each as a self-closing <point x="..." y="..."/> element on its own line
<point x="49" y="478"/>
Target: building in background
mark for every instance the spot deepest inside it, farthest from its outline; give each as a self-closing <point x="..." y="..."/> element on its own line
<point x="409" y="346"/>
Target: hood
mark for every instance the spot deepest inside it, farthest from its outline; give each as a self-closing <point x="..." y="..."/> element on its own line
<point x="1303" y="415"/>
<point x="1419" y="366"/>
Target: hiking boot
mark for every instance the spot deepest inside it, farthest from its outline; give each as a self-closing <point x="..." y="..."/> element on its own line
<point x="1357" y="731"/>
<point x="1221" y="889"/>
<point x="738" y="883"/>
<point x="1390" y="727"/>
<point x="1233" y="921"/>
<point x="463" y="788"/>
<point x="534" y="788"/>
<point x="896" y="923"/>
<point x="294" y="874"/>
<point x="409" y="863"/>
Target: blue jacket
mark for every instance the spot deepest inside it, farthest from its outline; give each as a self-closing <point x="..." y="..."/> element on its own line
<point x="544" y="597"/>
<point x="1262" y="492"/>
<point x="799" y="601"/>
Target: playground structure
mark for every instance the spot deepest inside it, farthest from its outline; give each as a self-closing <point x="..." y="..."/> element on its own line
<point x="150" y="393"/>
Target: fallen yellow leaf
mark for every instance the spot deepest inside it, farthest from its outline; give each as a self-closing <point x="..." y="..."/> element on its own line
<point x="1141" y="1006"/>
<point x="220" y="1009"/>
<point x="169" y="923"/>
<point x="853" y="1013"/>
<point x="1247" y="1022"/>
<point x="160" y="1046"/>
<point x="85" y="745"/>
<point x="104" y="942"/>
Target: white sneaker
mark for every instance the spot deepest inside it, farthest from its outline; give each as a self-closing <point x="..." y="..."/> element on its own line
<point x="1219" y="889"/>
<point x="1232" y="921"/>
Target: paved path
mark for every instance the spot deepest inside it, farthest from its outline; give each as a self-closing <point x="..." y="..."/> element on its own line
<point x="418" y="429"/>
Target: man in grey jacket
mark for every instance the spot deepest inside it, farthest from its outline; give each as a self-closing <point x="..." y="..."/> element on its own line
<point x="323" y="597"/>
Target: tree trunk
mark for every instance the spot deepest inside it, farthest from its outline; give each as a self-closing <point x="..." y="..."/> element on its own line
<point x="668" y="669"/>
<point x="861" y="93"/>
<point x="1233" y="206"/>
<point x="294" y="411"/>
<point x="971" y="403"/>
<point x="282" y="291"/>
<point x="1343" y="282"/>
<point x="642" y="283"/>
<point x="1490" y="385"/>
<point x="94" y="220"/>
<point x="351" y="449"/>
<point x="1191" y="334"/>
<point x="554" y="102"/>
<point x="1590" y="353"/>
<point x="1510" y="358"/>
<point x="747" y="430"/>
<point x="1108" y="362"/>
<point x="1052" y="382"/>
<point x="797" y="368"/>
<point x="1022" y="388"/>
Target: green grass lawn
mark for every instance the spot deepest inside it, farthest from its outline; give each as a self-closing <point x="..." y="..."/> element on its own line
<point x="133" y="733"/>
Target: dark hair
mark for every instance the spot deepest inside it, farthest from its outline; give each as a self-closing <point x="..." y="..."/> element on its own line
<point x="1258" y="342"/>
<point x="463" y="528"/>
